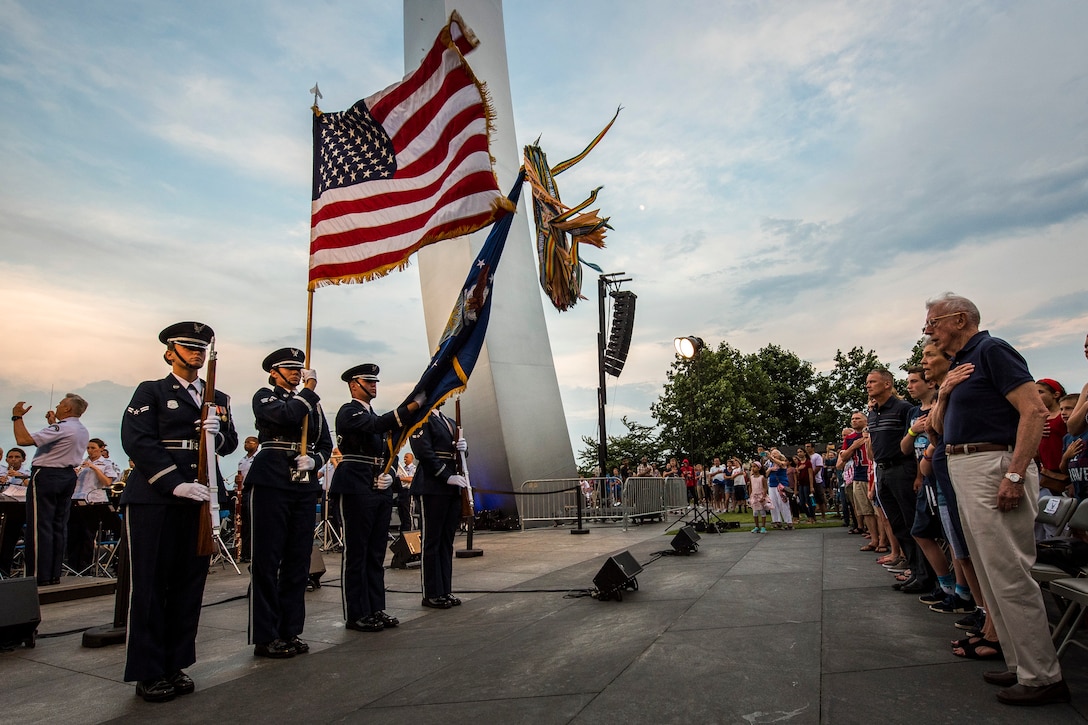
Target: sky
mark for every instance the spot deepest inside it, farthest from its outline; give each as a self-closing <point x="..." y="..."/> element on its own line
<point x="805" y="174"/>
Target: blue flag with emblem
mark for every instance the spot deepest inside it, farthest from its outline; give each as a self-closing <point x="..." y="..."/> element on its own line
<point x="461" y="342"/>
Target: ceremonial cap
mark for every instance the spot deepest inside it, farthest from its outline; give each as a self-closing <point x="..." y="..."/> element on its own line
<point x="366" y="371"/>
<point x="285" y="357"/>
<point x="189" y="334"/>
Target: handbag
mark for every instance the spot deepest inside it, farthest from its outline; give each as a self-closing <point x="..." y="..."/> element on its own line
<point x="1069" y="555"/>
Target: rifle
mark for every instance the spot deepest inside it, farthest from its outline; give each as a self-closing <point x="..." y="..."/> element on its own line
<point x="206" y="469"/>
<point x="462" y="468"/>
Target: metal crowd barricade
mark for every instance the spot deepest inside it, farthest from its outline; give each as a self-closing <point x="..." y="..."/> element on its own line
<point x="556" y="500"/>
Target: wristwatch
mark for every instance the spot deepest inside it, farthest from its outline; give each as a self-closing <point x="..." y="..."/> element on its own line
<point x="1014" y="477"/>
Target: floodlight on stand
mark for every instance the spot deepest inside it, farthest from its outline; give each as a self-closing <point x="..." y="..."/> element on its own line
<point x="688" y="347"/>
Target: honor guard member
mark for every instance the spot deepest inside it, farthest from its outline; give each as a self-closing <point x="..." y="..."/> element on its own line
<point x="437" y="484"/>
<point x="60" y="447"/>
<point x="161" y="432"/>
<point x="365" y="498"/>
<point x="285" y="489"/>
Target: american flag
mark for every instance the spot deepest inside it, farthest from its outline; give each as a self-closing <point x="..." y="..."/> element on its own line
<point x="404" y="168"/>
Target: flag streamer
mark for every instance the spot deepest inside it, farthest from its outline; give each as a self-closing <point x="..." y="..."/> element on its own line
<point x="559" y="228"/>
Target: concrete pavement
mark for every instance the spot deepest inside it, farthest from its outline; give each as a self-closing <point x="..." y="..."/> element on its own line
<point x="788" y="626"/>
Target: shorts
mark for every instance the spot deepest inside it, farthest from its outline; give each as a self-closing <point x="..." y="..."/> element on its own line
<point x="819" y="494"/>
<point x="927" y="522"/>
<point x="740" y="491"/>
<point x="862" y="505"/>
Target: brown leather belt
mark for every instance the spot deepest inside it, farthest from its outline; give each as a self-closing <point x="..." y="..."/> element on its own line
<point x="965" y="448"/>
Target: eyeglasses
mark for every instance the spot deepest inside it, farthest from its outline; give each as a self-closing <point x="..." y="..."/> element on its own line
<point x="931" y="321"/>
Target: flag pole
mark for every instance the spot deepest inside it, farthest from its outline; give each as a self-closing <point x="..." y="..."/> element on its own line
<point x="309" y="335"/>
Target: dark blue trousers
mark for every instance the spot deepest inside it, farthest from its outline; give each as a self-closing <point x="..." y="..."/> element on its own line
<point x="441" y="516"/>
<point x="366" y="519"/>
<point x="167" y="588"/>
<point x="48" y="502"/>
<point x="282" y="528"/>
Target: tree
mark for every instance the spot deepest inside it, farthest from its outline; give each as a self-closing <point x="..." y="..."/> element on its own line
<point x="842" y="390"/>
<point x="704" y="410"/>
<point x="639" y="441"/>
<point x="783" y="391"/>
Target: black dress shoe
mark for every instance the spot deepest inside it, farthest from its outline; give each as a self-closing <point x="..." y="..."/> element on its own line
<point x="369" y="623"/>
<point x="1001" y="678"/>
<point x="454" y="601"/>
<point x="1023" y="695"/>
<point x="159" y="690"/>
<point x="436" y="603"/>
<point x="183" y="684"/>
<point x="277" y="649"/>
<point x="296" y="644"/>
<point x="388" y="620"/>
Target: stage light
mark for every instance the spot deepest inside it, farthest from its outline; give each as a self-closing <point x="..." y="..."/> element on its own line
<point x="688" y="347"/>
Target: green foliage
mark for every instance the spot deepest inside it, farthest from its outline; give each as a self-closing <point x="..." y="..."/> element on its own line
<point x="723" y="403"/>
<point x="640" y="440"/>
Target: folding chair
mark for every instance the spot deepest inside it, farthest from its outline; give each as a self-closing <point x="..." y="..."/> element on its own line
<point x="1059" y="512"/>
<point x="1070" y="591"/>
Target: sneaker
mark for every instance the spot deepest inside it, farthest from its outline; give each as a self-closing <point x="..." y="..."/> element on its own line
<point x="755" y="530"/>
<point x="974" y="621"/>
<point x="937" y="596"/>
<point x="898" y="566"/>
<point x="954" y="604"/>
<point x="762" y="529"/>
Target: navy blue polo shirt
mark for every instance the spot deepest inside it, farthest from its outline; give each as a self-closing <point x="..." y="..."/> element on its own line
<point x="888" y="424"/>
<point x="978" y="411"/>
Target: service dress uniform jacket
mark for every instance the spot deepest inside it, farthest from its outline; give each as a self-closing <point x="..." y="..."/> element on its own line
<point x="282" y="509"/>
<point x="364" y="509"/>
<point x="160" y="432"/>
<point x="434" y="446"/>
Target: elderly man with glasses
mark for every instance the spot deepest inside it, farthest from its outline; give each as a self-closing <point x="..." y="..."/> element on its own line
<point x="992" y="419"/>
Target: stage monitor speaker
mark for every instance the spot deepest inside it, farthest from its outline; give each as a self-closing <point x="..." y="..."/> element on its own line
<point x="617" y="574"/>
<point x="406" y="549"/>
<point x="686" y="540"/>
<point x="20" y="613"/>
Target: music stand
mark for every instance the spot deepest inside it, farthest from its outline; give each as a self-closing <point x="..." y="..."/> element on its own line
<point x="222" y="553"/>
<point x="325" y="532"/>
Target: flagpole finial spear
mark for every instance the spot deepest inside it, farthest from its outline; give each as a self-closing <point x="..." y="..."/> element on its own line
<point x="317" y="94"/>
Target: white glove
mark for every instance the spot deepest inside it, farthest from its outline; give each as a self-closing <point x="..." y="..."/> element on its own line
<point x="461" y="445"/>
<point x="420" y="399"/>
<point x="304" y="463"/>
<point x="457" y="480"/>
<point x="308" y="374"/>
<point x="194" y="491"/>
<point x="383" y="481"/>
<point x="211" y="425"/>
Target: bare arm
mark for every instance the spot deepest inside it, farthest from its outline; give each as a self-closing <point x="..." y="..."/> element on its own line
<point x="22" y="435"/>
<point x="1029" y="432"/>
<point x="1078" y="419"/>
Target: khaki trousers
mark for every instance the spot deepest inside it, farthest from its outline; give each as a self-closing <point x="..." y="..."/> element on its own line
<point x="1002" y="546"/>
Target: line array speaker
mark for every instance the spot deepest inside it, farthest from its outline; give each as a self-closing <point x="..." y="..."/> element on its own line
<point x="623" y="324"/>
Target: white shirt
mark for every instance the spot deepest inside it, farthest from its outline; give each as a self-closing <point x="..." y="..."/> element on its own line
<point x="87" y="481"/>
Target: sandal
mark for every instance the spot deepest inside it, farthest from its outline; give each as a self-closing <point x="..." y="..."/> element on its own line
<point x="971" y="649"/>
<point x="881" y="550"/>
<point x="868" y="547"/>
